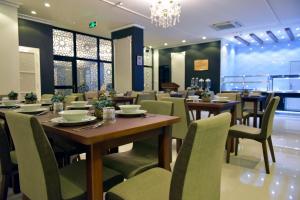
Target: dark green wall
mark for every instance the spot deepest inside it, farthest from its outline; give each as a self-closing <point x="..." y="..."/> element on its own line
<point x="210" y="51"/>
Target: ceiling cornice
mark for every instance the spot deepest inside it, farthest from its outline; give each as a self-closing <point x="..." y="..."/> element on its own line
<point x="10" y="3"/>
<point x="35" y="19"/>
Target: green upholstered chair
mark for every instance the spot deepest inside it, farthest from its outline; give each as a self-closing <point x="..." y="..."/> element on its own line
<point x="145" y="96"/>
<point x="40" y="177"/>
<point x="160" y="96"/>
<point x="8" y="161"/>
<point x="46" y="96"/>
<point x="80" y="96"/>
<point x="69" y="98"/>
<point x="197" y="171"/>
<point x="180" y="129"/>
<point x="143" y="155"/>
<point x="261" y="135"/>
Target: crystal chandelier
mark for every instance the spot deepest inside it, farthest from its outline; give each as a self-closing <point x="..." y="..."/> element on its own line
<point x="165" y="13"/>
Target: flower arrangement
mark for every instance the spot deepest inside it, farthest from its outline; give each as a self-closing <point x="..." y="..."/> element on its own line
<point x="57" y="98"/>
<point x="100" y="104"/>
<point x="246" y="92"/>
<point x="12" y="95"/>
<point x="30" y="98"/>
<point x="206" y="96"/>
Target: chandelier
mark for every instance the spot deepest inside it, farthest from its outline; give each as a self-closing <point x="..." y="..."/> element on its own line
<point x="165" y="13"/>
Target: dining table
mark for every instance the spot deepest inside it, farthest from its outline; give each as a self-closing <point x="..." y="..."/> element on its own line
<point x="123" y="99"/>
<point x="98" y="140"/>
<point x="255" y="99"/>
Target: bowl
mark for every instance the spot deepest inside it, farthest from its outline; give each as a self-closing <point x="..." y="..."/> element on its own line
<point x="193" y="97"/>
<point x="46" y="101"/>
<point x="79" y="103"/>
<point x="30" y="107"/>
<point x="74" y="115"/>
<point x="129" y="108"/>
<point x="9" y="102"/>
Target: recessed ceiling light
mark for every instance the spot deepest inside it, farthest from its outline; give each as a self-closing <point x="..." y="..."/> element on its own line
<point x="47" y="5"/>
<point x="33" y="12"/>
<point x="166" y="44"/>
<point x="278" y="32"/>
<point x="298" y="28"/>
<point x="282" y="37"/>
<point x="298" y="35"/>
<point x="267" y="39"/>
<point x="203" y="38"/>
<point x="150" y="47"/>
<point x="226" y="44"/>
<point x="183" y="41"/>
<point x="261" y="34"/>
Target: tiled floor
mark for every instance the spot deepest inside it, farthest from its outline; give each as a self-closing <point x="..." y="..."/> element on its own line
<point x="245" y="178"/>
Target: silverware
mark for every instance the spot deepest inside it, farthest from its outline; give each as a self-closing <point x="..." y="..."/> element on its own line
<point x="89" y="127"/>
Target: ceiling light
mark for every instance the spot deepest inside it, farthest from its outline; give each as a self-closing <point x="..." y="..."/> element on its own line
<point x="33" y="12"/>
<point x="278" y="32"/>
<point x="119" y="4"/>
<point x="298" y="35"/>
<point x="267" y="39"/>
<point x="183" y="41"/>
<point x="166" y="44"/>
<point x="241" y="40"/>
<point x="298" y="29"/>
<point x="150" y="47"/>
<point x="226" y="44"/>
<point x="47" y="5"/>
<point x="203" y="38"/>
<point x="282" y="37"/>
<point x="165" y="13"/>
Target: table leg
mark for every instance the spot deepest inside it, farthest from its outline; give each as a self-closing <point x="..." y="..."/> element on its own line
<point x="95" y="172"/>
<point x="165" y="151"/>
<point x="198" y="114"/>
<point x="255" y="114"/>
<point x="232" y="123"/>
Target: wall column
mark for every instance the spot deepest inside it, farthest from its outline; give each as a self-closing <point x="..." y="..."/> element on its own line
<point x="9" y="50"/>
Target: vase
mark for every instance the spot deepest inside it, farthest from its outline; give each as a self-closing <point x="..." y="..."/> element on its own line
<point x="99" y="113"/>
<point x="57" y="107"/>
<point x="206" y="99"/>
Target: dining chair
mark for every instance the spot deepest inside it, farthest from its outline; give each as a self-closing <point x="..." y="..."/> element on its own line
<point x="80" y="96"/>
<point x="143" y="155"/>
<point x="260" y="114"/>
<point x="46" y="96"/>
<point x="262" y="135"/>
<point x="160" y="96"/>
<point x="145" y="96"/>
<point x="9" y="165"/>
<point x="180" y="129"/>
<point x="91" y="95"/>
<point x="197" y="170"/>
<point x="69" y="98"/>
<point x="39" y="175"/>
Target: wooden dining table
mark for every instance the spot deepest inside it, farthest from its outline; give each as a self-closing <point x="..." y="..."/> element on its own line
<point x="110" y="135"/>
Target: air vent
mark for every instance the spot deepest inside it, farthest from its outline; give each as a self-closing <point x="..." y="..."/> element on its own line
<point x="226" y="25"/>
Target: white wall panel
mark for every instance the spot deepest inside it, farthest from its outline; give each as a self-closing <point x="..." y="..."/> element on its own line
<point x="178" y="69"/>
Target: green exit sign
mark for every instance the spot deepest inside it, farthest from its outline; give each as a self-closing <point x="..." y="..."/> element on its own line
<point x="93" y="24"/>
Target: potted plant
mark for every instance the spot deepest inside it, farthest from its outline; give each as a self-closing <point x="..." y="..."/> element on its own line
<point x="206" y="96"/>
<point x="30" y="98"/>
<point x="100" y="104"/>
<point x="12" y="95"/>
<point x="57" y="101"/>
<point x="246" y="92"/>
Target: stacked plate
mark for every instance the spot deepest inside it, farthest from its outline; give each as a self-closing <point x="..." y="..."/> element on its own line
<point x="73" y="118"/>
<point x="32" y="109"/>
<point x="130" y="111"/>
<point x="79" y="105"/>
<point x="8" y="103"/>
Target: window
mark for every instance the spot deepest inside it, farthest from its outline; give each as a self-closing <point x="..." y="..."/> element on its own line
<point x="81" y="62"/>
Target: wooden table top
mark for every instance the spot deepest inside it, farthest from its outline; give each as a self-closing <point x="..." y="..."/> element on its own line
<point x="122" y="127"/>
<point x="123" y="98"/>
<point x="211" y="105"/>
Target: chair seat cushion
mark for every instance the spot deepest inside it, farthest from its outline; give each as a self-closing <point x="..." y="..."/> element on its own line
<point x="13" y="157"/>
<point x="73" y="180"/>
<point x="150" y="185"/>
<point x="130" y="163"/>
<point x="242" y="131"/>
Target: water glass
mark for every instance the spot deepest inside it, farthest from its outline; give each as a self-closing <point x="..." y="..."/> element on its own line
<point x="109" y="114"/>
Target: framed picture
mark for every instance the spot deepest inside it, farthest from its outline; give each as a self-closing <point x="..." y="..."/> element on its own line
<point x="201" y="65"/>
<point x="140" y="60"/>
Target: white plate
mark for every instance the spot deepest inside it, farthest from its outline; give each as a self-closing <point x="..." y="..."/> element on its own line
<point x="138" y="112"/>
<point x="74" y="107"/>
<point x="31" y="111"/>
<point x="61" y="120"/>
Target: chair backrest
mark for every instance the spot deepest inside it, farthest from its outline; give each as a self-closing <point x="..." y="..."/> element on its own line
<point x="38" y="171"/>
<point x="146" y="96"/>
<point x="153" y="107"/>
<point x="197" y="171"/>
<point x="80" y="96"/>
<point x="46" y="96"/>
<point x="268" y="118"/>
<point x="268" y="100"/>
<point x="160" y="96"/>
<point x="91" y="95"/>
<point x="180" y="129"/>
<point x="69" y="98"/>
<point x="234" y="97"/>
<point x="5" y="159"/>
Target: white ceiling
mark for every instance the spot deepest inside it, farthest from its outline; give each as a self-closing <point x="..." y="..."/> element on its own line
<point x="196" y="17"/>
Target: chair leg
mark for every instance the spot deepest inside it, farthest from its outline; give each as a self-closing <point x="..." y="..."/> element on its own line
<point x="236" y="146"/>
<point x="16" y="183"/>
<point x="4" y="186"/>
<point x="260" y="119"/>
<point x="248" y="121"/>
<point x="228" y="147"/>
<point x="178" y="144"/>
<point x="24" y="197"/>
<point x="265" y="152"/>
<point x="271" y="149"/>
